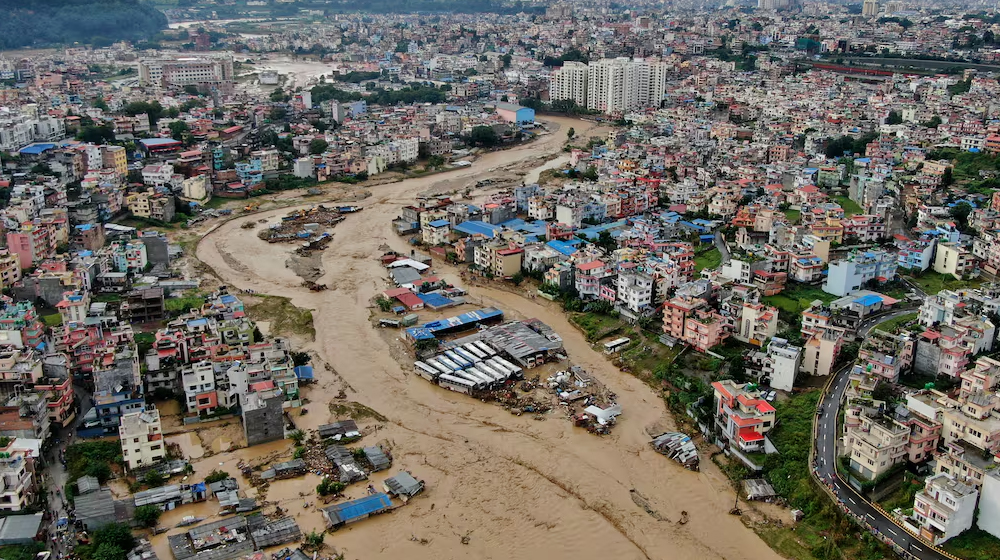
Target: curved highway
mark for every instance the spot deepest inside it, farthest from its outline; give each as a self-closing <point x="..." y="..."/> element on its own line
<point x="826" y="458"/>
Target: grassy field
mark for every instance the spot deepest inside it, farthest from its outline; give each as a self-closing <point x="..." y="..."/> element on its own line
<point x="892" y="324"/>
<point x="596" y="326"/>
<point x="793" y="215"/>
<point x="284" y="317"/>
<point x="52" y="320"/>
<point x="974" y="544"/>
<point x="710" y="258"/>
<point x="932" y="282"/>
<point x="798" y="297"/>
<point x="850" y="207"/>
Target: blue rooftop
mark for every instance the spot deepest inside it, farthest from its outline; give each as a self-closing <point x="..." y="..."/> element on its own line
<point x="303" y="372"/>
<point x="357" y="509"/>
<point x="439" y="223"/>
<point x="476" y="227"/>
<point x="868" y="300"/>
<point x="562" y="247"/>
<point x="36" y="149"/>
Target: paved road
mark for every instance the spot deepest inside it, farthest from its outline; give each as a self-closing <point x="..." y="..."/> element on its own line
<point x="826" y="454"/>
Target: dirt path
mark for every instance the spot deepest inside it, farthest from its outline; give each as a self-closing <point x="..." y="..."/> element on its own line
<point x="519" y="488"/>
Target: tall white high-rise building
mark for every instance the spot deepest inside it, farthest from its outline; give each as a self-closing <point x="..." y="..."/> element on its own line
<point x="619" y="84"/>
<point x="869" y="8"/>
<point x="570" y="82"/>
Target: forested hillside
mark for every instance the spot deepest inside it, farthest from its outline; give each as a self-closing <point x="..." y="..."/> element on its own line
<point x="28" y="23"/>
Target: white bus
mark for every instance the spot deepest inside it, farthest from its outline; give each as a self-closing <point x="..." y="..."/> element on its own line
<point x="426" y="371"/>
<point x="494" y="370"/>
<point x="457" y="384"/>
<point x="449" y="363"/>
<point x="469" y="376"/>
<point x="471" y="348"/>
<point x="514" y="370"/>
<point x="486" y="377"/>
<point x="616" y="345"/>
<point x="485" y="348"/>
<point x="499" y="366"/>
<point x="467" y="355"/>
<point x="457" y="359"/>
<point x="439" y="366"/>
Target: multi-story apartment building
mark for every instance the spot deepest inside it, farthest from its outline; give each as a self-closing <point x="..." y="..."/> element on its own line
<point x="944" y="508"/>
<point x="876" y="445"/>
<point x="821" y="350"/>
<point x="953" y="259"/>
<point x="781" y="364"/>
<point x="741" y="415"/>
<point x="757" y="323"/>
<point x="570" y="82"/>
<point x="923" y="410"/>
<point x="17" y="478"/>
<point x="865" y="227"/>
<point x="142" y="438"/>
<point x="886" y="355"/>
<point x="635" y="290"/>
<point x="705" y="329"/>
<point x="198" y="381"/>
<point x="215" y="72"/>
<point x="500" y="260"/>
<point x="850" y="274"/>
<point x="619" y="85"/>
<point x="589" y="276"/>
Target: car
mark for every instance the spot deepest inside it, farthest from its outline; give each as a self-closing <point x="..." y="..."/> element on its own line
<point x="770" y="396"/>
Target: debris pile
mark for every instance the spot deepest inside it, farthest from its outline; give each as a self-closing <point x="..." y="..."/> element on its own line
<point x="678" y="447"/>
<point x="304" y="225"/>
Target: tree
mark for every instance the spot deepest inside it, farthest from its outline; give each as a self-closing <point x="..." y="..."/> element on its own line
<point x="483" y="135"/>
<point x="570" y="133"/>
<point x="894" y="118"/>
<point x="318" y="146"/>
<point x="216" y="476"/>
<point x="947" y="178"/>
<point x="506" y="59"/>
<point x="178" y="129"/>
<point x="961" y="212"/>
<point x="116" y="534"/>
<point x="278" y="113"/>
<point x="297" y="436"/>
<point x="96" y="134"/>
<point x="606" y="242"/>
<point x="147" y="515"/>
<point x="154" y="479"/>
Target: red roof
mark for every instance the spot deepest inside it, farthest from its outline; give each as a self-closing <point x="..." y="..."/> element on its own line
<point x="262" y="385"/>
<point x="410" y="300"/>
<point x="395" y="292"/>
<point x="749" y="434"/>
<point x="232" y="129"/>
<point x="591" y="265"/>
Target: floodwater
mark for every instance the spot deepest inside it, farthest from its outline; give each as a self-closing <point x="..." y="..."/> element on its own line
<point x="514" y="486"/>
<point x="189" y="443"/>
<point x="555" y="163"/>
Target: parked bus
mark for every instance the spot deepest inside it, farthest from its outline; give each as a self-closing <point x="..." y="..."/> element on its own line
<point x="514" y="370"/>
<point x="471" y="348"/>
<point x="457" y="359"/>
<point x="495" y="364"/>
<point x="487" y="378"/>
<point x="485" y="348"/>
<point x="449" y="363"/>
<point x="467" y="355"/>
<point x="433" y="362"/>
<point x="457" y="384"/>
<point x="427" y="372"/>
<point x="494" y="370"/>
<point x="616" y="345"/>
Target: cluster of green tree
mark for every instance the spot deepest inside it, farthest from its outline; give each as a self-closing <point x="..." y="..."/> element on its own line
<point x="483" y="136"/>
<point x="572" y="55"/>
<point x="92" y="458"/>
<point x="837" y="147"/>
<point x="414" y="93"/>
<point x="967" y="165"/>
<point x="894" y="118"/>
<point x="111" y="542"/>
<point x="21" y="551"/>
<point x="960" y="87"/>
<point x="356" y="77"/>
<point x="903" y="22"/>
<point x="99" y="22"/>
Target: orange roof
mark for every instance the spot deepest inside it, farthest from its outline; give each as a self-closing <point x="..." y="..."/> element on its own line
<point x="591" y="265"/>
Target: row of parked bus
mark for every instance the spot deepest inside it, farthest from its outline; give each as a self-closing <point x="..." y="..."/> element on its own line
<point x="469" y="367"/>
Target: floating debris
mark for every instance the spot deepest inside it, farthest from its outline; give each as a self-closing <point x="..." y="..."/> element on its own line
<point x="678" y="447"/>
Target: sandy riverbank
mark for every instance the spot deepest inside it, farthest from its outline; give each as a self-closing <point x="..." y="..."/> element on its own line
<point x="519" y="488"/>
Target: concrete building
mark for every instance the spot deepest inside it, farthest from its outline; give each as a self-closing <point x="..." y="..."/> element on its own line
<point x="570" y="82"/>
<point x="944" y="508"/>
<point x="756" y="324"/>
<point x="141" y="438"/>
<point x="741" y="415"/>
<point x="989" y="504"/>
<point x="851" y="274"/>
<point x="263" y="418"/>
<point x="635" y="291"/>
<point x="782" y="363"/>
<point x="876" y="445"/>
<point x="17" y="473"/>
<point x="953" y="259"/>
<point x="208" y="72"/>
